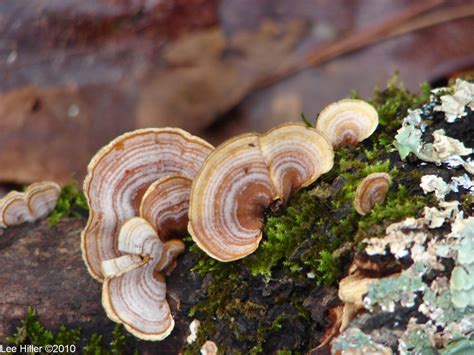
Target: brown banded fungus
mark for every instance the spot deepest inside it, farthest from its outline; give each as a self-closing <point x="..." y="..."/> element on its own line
<point x="118" y="176"/>
<point x="242" y="177"/>
<point x="371" y="190"/>
<point x="134" y="292"/>
<point x="347" y="122"/>
<point x="35" y="203"/>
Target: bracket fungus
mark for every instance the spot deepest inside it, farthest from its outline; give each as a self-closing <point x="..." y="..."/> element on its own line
<point x="243" y="176"/>
<point x="137" y="189"/>
<point x="347" y="121"/>
<point x="134" y="292"/>
<point x="118" y="176"/>
<point x="35" y="203"/>
<point x="371" y="190"/>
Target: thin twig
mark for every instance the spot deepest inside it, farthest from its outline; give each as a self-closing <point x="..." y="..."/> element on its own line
<point x="435" y="18"/>
<point x="369" y="36"/>
<point x="354" y="42"/>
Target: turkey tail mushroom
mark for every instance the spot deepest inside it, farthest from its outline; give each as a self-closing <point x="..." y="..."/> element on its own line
<point x="242" y="177"/>
<point x="371" y="190"/>
<point x="347" y="122"/>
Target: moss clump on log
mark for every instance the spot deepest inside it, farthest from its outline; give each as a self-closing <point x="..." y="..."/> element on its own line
<point x="71" y="203"/>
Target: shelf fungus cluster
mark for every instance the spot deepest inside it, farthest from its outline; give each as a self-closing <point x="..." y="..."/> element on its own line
<point x="137" y="189"/>
<point x="35" y="203"/>
<point x="147" y="186"/>
<point x="243" y="177"/>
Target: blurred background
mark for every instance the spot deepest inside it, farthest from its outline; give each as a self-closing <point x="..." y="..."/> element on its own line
<point x="75" y="74"/>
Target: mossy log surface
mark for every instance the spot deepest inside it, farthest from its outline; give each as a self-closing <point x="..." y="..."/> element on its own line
<point x="278" y="300"/>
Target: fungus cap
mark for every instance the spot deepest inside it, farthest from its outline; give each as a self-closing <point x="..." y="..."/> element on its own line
<point x="134" y="292"/>
<point x="118" y="176"/>
<point x="296" y="157"/>
<point x="165" y="205"/>
<point x="35" y="203"/>
<point x="371" y="190"/>
<point x="347" y="122"/>
<point x="242" y="177"/>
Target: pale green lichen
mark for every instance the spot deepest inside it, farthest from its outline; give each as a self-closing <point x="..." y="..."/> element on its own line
<point x="353" y="339"/>
<point x="404" y="289"/>
<point x="408" y="140"/>
<point x="438" y="307"/>
<point x="454" y="104"/>
<point x="462" y="276"/>
<point x="433" y="183"/>
<point x="418" y="339"/>
<point x="443" y="149"/>
<point x="460" y="347"/>
<point x="444" y="303"/>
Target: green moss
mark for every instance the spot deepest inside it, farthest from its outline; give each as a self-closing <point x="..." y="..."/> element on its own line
<point x="467" y="203"/>
<point x="328" y="267"/>
<point x="206" y="331"/>
<point x="228" y="305"/>
<point x="393" y="103"/>
<point x="284" y="233"/>
<point x="32" y="332"/>
<point x="71" y="203"/>
<point x="118" y="344"/>
<point x="354" y="95"/>
<point x="284" y="352"/>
